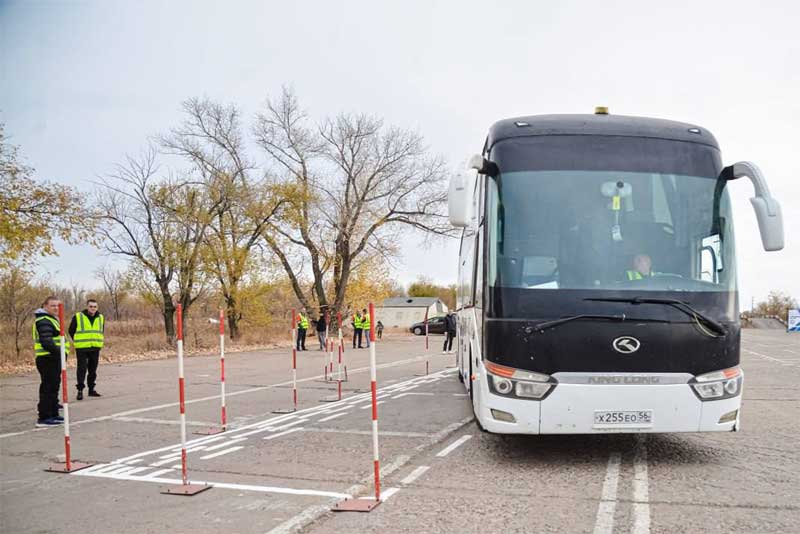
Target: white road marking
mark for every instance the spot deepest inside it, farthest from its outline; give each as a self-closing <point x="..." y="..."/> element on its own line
<point x="415" y="474"/>
<point x="226" y="444"/>
<point x="641" y="494"/>
<point x="369" y="432"/>
<point x="314" y="512"/>
<point x="221" y="453"/>
<point x="188" y="450"/>
<point x="401" y="395"/>
<point x="156" y="473"/>
<point x="334" y="416"/>
<point x="386" y="495"/>
<point x="161" y="421"/>
<point x="298" y="429"/>
<point x="224" y="485"/>
<point x="367" y="406"/>
<point x="450" y="448"/>
<point x="213" y="397"/>
<point x="604" y="524"/>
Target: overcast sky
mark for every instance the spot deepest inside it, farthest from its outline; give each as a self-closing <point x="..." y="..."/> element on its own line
<point x="84" y="83"/>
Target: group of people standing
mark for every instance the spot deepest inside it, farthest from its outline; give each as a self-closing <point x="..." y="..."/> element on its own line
<point x="360" y="322"/>
<point x="87" y="330"/>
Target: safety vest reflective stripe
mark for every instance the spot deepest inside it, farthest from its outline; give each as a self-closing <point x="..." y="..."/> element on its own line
<point x="37" y="347"/>
<point x="89" y="335"/>
<point x="302" y="321"/>
<point x="365" y="322"/>
<point x="634" y="275"/>
<point x="357" y="322"/>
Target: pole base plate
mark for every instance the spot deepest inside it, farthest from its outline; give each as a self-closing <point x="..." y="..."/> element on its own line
<point x="284" y="410"/>
<point x="185" y="489"/>
<point x="209" y="431"/>
<point x="355" y="505"/>
<point x="62" y="467"/>
<point x="331" y="398"/>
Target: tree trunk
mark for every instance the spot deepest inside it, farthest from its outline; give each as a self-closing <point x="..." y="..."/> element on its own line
<point x="168" y="312"/>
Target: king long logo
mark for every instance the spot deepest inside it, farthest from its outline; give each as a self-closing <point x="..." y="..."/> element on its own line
<point x="626" y="344"/>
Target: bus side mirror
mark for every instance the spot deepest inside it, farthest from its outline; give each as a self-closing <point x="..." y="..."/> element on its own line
<point x="459" y="200"/>
<point x="768" y="210"/>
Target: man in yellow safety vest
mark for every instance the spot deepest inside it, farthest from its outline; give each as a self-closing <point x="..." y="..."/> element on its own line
<point x="302" y="328"/>
<point x="642" y="268"/>
<point x="365" y="325"/>
<point x="47" y="349"/>
<point x="357" y="330"/>
<point x="88" y="330"/>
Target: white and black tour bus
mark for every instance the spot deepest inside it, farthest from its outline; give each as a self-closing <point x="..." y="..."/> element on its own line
<point x="597" y="276"/>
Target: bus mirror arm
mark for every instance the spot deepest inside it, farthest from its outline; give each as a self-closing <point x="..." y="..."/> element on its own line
<point x="768" y="210"/>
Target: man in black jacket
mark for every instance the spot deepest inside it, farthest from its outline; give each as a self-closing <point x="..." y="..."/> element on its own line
<point x="450" y="333"/>
<point x="87" y="330"/>
<point x="47" y="347"/>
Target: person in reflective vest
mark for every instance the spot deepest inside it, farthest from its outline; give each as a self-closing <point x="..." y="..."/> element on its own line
<point x="365" y="325"/>
<point x="357" y="330"/>
<point x="47" y="350"/>
<point x="302" y="328"/>
<point x="642" y="268"/>
<point x="87" y="330"/>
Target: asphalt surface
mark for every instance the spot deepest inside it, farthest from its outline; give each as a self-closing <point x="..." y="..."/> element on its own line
<point x="281" y="473"/>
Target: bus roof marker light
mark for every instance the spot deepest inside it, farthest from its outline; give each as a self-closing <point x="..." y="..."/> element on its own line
<point x="694" y="131"/>
<point x="601" y="110"/>
<point x="521" y="124"/>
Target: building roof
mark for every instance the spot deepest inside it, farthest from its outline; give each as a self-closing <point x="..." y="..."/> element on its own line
<point x="612" y="125"/>
<point x="409" y="302"/>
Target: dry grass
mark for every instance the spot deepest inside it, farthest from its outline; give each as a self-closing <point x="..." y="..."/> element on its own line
<point x="144" y="339"/>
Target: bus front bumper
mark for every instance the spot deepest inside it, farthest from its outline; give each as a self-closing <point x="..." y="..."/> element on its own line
<point x="579" y="408"/>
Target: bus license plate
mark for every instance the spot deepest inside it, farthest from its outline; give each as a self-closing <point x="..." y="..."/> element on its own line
<point x="639" y="418"/>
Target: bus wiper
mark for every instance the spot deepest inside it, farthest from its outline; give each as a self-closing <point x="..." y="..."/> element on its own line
<point x="677" y="304"/>
<point x="541" y="327"/>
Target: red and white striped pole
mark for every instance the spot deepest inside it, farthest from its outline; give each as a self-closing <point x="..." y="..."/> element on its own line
<point x="185" y="488"/>
<point x="374" y="387"/>
<point x="64" y="396"/>
<point x="68" y="466"/>
<point x="181" y="394"/>
<point x="222" y="368"/>
<point x="341" y="345"/>
<point x="294" y="359"/>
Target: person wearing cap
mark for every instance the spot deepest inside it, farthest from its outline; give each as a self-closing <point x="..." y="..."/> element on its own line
<point x="87" y="330"/>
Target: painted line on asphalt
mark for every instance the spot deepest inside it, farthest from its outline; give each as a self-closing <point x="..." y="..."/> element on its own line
<point x="225" y="444"/>
<point x="224" y="485"/>
<point x="222" y="452"/>
<point x="334" y="416"/>
<point x="383" y="433"/>
<point x="641" y="494"/>
<point x="453" y="446"/>
<point x="604" y="523"/>
<point x="298" y="429"/>
<point x="312" y="513"/>
<point x="415" y="474"/>
<point x="260" y="425"/>
<point x="211" y="397"/>
<point x="162" y="421"/>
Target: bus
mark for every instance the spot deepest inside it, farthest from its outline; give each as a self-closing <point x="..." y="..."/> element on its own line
<point x="597" y="288"/>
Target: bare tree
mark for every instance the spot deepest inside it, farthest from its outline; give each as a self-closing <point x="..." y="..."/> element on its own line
<point x="116" y="286"/>
<point x="358" y="182"/>
<point x="211" y="139"/>
<point x="18" y="300"/>
<point x="160" y="224"/>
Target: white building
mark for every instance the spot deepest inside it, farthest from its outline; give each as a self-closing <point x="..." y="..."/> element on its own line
<point x="405" y="311"/>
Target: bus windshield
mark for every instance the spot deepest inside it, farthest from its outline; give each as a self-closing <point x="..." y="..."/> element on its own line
<point x="608" y="229"/>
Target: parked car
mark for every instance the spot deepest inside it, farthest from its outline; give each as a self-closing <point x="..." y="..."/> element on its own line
<point x="436" y="325"/>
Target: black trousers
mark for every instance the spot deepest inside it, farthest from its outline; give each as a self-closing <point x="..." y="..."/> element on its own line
<point x="448" y="341"/>
<point x="301" y="339"/>
<point x="357" y="337"/>
<point x="49" y="368"/>
<point x="87" y="361"/>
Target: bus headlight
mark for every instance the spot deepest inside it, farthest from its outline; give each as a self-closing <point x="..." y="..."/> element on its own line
<point x="510" y="382"/>
<point x="718" y="385"/>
